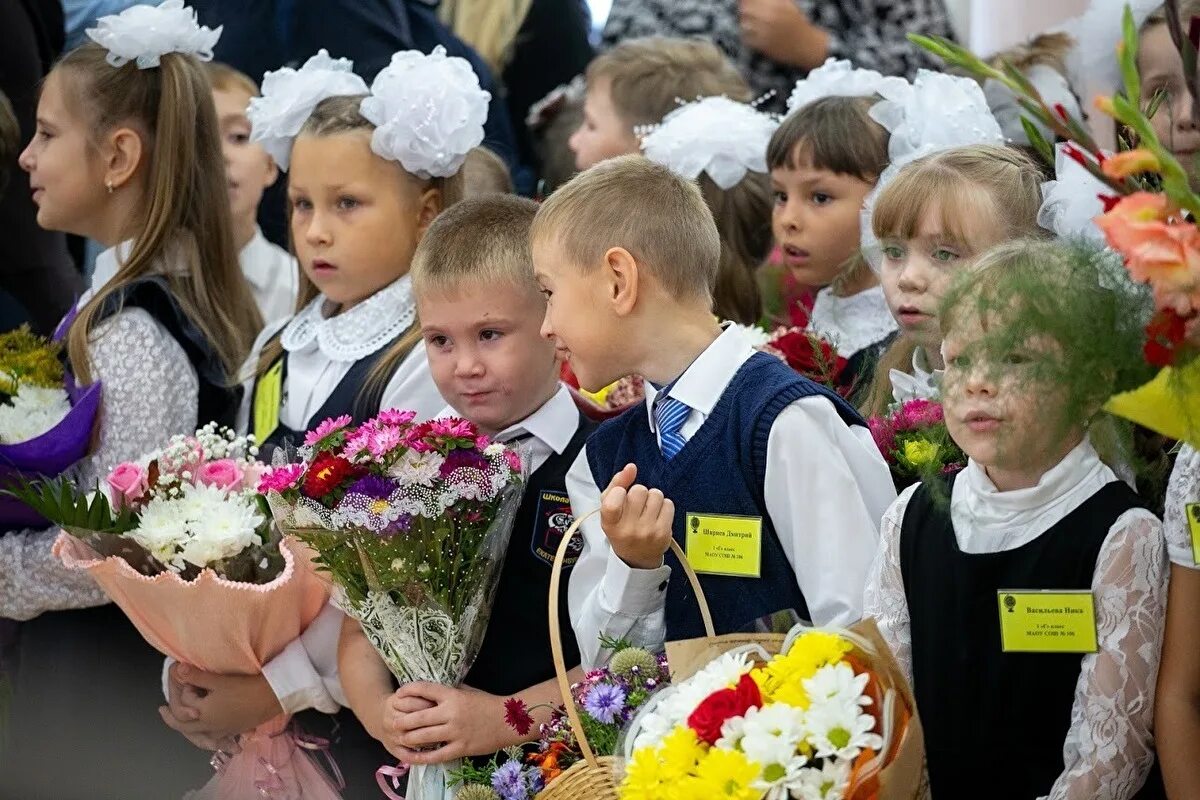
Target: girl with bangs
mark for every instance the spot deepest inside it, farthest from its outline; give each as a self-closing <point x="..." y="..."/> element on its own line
<point x="934" y="219"/>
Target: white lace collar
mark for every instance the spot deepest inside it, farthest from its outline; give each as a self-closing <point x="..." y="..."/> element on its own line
<point x="989" y="520"/>
<point x="922" y="383"/>
<point x="852" y="323"/>
<point x="357" y="333"/>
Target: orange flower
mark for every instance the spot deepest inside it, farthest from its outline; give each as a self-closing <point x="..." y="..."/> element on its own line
<point x="1131" y="162"/>
<point x="1104" y="103"/>
<point x="1158" y="250"/>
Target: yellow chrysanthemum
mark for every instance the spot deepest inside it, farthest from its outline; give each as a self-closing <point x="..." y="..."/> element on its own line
<point x="679" y="753"/>
<point x="728" y="773"/>
<point x="644" y="776"/>
<point x="809" y="653"/>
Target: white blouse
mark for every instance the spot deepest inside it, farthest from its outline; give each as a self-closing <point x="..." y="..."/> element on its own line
<point x="150" y="393"/>
<point x="852" y="323"/>
<point x="274" y="278"/>
<point x="322" y="348"/>
<point x="1110" y="747"/>
<point x="1182" y="490"/>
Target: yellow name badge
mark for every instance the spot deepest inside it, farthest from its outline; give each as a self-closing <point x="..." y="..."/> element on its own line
<point x="725" y="545"/>
<point x="268" y="393"/>
<point x="1047" y="622"/>
<point x="1192" y="512"/>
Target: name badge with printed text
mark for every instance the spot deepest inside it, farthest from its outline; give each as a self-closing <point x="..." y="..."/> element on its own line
<point x="1047" y="621"/>
<point x="268" y="393"/>
<point x="1192" y="512"/>
<point x="721" y="544"/>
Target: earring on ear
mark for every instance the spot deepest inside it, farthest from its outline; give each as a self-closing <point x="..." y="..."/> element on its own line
<point x="108" y="185"/>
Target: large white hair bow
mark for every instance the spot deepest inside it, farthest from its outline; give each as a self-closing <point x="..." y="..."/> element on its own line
<point x="289" y="97"/>
<point x="840" y="78"/>
<point x="428" y="112"/>
<point x="716" y="135"/>
<point x="1071" y="202"/>
<point x="147" y="33"/>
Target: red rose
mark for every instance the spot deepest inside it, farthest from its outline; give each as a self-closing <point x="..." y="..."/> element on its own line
<point x="810" y="355"/>
<point x="711" y="714"/>
<point x="326" y="473"/>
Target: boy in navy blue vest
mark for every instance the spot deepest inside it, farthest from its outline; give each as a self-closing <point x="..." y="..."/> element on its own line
<point x="480" y="312"/>
<point x="770" y="482"/>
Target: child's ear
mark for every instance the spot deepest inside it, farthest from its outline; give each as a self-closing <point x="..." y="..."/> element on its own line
<point x="122" y="153"/>
<point x="429" y="206"/>
<point x="623" y="277"/>
<point x="272" y="172"/>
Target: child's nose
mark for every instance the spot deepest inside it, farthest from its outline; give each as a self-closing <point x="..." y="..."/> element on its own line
<point x="547" y="330"/>
<point x="317" y="232"/>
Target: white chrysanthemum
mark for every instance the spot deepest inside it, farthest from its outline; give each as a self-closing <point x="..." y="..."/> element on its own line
<point x="840" y="78"/>
<point x="714" y="135"/>
<point x="839" y="730"/>
<point x="827" y="782"/>
<point x="428" y="112"/>
<point x="147" y="33"/>
<point x="673" y="706"/>
<point x="755" y="336"/>
<point x="289" y="97"/>
<point x="202" y="526"/>
<point x="34" y="410"/>
<point x="420" y="469"/>
<point x="772" y="734"/>
<point x="777" y="780"/>
<point x="837" y="683"/>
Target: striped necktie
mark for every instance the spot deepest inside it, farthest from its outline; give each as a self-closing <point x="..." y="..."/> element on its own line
<point x="669" y="416"/>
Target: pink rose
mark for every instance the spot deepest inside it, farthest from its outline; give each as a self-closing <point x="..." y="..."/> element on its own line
<point x="129" y="483"/>
<point x="223" y="474"/>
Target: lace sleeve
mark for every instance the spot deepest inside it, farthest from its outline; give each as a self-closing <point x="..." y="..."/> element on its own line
<point x="884" y="599"/>
<point x="1110" y="747"/>
<point x="150" y="393"/>
<point x="1182" y="491"/>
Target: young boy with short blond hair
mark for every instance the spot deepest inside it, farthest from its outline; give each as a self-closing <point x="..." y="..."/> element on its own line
<point x="480" y="314"/>
<point x="639" y="82"/>
<point x="271" y="271"/>
<point x="771" y="482"/>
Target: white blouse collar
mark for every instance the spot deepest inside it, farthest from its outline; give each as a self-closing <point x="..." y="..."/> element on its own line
<point x="1005" y="519"/>
<point x="922" y="383"/>
<point x="356" y="333"/>
<point x="852" y="323"/>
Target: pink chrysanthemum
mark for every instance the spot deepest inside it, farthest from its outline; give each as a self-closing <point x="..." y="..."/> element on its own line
<point x="356" y="444"/>
<point x="394" y="416"/>
<point x="326" y="428"/>
<point x="384" y="441"/>
<point x="514" y="460"/>
<point x="917" y="413"/>
<point x="281" y="478"/>
<point x="452" y="427"/>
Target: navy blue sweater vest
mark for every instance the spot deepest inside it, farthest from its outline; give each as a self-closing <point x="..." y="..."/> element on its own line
<point x="720" y="470"/>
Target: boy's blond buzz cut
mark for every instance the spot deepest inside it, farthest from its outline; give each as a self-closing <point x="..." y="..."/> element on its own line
<point x="478" y="241"/>
<point x="225" y="78"/>
<point x="648" y="77"/>
<point x="644" y="208"/>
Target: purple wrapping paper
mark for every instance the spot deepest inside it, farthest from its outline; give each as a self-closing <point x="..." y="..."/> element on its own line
<point x="48" y="455"/>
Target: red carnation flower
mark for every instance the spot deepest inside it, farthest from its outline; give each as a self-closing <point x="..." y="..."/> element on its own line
<point x="711" y="714"/>
<point x="326" y="473"/>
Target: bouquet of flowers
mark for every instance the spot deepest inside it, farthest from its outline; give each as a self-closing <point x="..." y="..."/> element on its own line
<point x="45" y="419"/>
<point x="181" y="542"/>
<point x="812" y="356"/>
<point x="1150" y="212"/>
<point x="412" y="522"/>
<point x="827" y="717"/>
<point x="609" y="401"/>
<point x="606" y="700"/>
<point x="915" y="443"/>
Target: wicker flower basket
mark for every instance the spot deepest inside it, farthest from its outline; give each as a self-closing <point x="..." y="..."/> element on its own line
<point x="593" y="778"/>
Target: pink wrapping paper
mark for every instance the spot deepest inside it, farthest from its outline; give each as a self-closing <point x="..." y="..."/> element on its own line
<point x="228" y="628"/>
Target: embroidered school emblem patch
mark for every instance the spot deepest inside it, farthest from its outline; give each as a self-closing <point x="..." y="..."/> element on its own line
<point x="550" y="525"/>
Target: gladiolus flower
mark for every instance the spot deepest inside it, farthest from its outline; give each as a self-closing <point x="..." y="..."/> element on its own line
<point x="1160" y="252"/>
<point x="1131" y="162"/>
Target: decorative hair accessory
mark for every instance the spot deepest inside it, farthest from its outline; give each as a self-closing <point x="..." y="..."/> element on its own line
<point x="716" y="135"/>
<point x="289" y="97"/>
<point x="1071" y="202"/>
<point x="147" y="33"/>
<point x="1097" y="32"/>
<point x="840" y="78"/>
<point x="939" y="112"/>
<point x="428" y="112"/>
